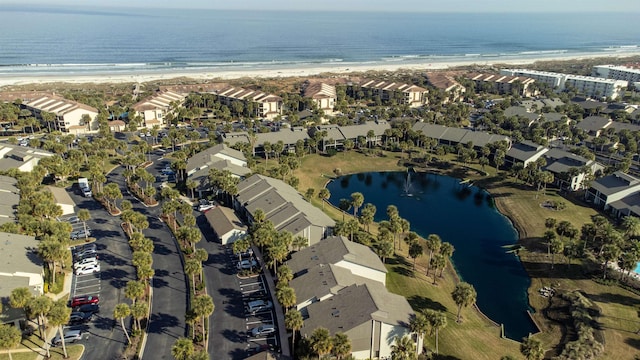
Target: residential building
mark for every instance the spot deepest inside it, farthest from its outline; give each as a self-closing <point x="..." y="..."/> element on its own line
<point x="288" y="136"/>
<point x="339" y="251"/>
<point x="22" y="158"/>
<point x="503" y="84"/>
<point x="368" y="314"/>
<point x="283" y="206"/>
<point x="153" y="109"/>
<point x="609" y="193"/>
<point x="62" y="199"/>
<point x="626" y="73"/>
<point x="453" y="136"/>
<point x="9" y="199"/>
<point x="263" y="105"/>
<point x="220" y="157"/>
<point x="522" y="113"/>
<point x="404" y="94"/>
<point x="70" y="116"/>
<point x="226" y="225"/>
<point x="370" y="132"/>
<point x="587" y="85"/>
<point x="594" y="125"/>
<point x="20" y="267"/>
<point x="323" y="96"/>
<point x="447" y="84"/>
<point x="570" y="170"/>
<point x="524" y="153"/>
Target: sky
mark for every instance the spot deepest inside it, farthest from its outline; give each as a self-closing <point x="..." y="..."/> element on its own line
<point x="360" y="5"/>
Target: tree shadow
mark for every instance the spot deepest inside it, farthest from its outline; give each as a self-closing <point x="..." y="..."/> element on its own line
<point x="633" y="342"/>
<point x="615" y="299"/>
<point x="421" y="302"/>
<point x="161" y="321"/>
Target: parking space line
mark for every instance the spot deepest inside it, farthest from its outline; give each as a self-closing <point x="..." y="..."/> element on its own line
<point x="262" y="339"/>
<point x="88" y="287"/>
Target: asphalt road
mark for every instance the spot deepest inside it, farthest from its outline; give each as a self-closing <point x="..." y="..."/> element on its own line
<point x="106" y="339"/>
<point x="169" y="306"/>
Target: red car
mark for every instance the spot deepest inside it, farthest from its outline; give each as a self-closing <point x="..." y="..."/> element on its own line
<point x="82" y="300"/>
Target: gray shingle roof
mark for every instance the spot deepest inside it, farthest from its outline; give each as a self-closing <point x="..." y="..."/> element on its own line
<point x="19" y="254"/>
<point x="525" y="150"/>
<point x="616" y="182"/>
<point x="322" y="280"/>
<point x="333" y="250"/>
<point x="223" y="219"/>
<point x="593" y="123"/>
<point x="211" y="155"/>
<point x="276" y="198"/>
<point x="356" y="305"/>
<point x="457" y="135"/>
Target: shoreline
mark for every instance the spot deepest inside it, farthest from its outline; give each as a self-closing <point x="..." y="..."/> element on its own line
<point x="288" y="71"/>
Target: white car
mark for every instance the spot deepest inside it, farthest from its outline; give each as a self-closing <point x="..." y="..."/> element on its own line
<point x="88" y="269"/>
<point x="85" y="262"/>
<point x="263" y="330"/>
<point x="246" y="264"/>
<point x="205" y="207"/>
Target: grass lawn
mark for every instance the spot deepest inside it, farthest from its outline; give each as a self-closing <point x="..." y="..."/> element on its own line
<point x="473" y="338"/>
<point x="74" y="352"/>
<point x="620" y="308"/>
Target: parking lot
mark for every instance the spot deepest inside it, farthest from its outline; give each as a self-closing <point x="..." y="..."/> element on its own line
<point x="253" y="290"/>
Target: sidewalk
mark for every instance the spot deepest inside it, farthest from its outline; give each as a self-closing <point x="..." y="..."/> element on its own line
<point x="50" y="332"/>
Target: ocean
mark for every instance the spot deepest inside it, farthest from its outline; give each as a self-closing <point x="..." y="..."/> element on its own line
<point x="42" y="40"/>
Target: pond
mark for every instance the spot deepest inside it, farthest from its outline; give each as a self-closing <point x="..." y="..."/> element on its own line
<point x="465" y="216"/>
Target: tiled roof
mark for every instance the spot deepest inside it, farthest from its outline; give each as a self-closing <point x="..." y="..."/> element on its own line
<point x="319" y="90"/>
<point x="160" y="100"/>
<point x="57" y="105"/>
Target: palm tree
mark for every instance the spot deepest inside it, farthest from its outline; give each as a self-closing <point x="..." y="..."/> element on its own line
<point x="437" y="321"/>
<point x="341" y="345"/>
<point x="320" y="341"/>
<point x="134" y="290"/>
<point x="610" y="252"/>
<point x="324" y="195"/>
<point x="138" y="312"/>
<point x="433" y="245"/>
<point x="58" y="316"/>
<point x="121" y="311"/>
<point x="286" y="297"/>
<point x="191" y="268"/>
<point x="419" y="324"/>
<point x="84" y="215"/>
<point x="10" y="337"/>
<point x="463" y="295"/>
<point x="631" y="226"/>
<point x="532" y="348"/>
<point x="557" y="247"/>
<point x="357" y="199"/>
<point x="415" y="250"/>
<point x="51" y="252"/>
<point x="203" y="307"/>
<point x="437" y="262"/>
<point x="293" y="321"/>
<point x="182" y="349"/>
<point x="403" y="349"/>
<point x="40" y="306"/>
<point x="20" y="298"/>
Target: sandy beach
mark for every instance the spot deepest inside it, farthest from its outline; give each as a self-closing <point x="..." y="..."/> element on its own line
<point x="281" y="71"/>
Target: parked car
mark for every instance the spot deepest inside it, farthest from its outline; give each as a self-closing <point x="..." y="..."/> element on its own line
<point x="70" y="336"/>
<point x="86" y="247"/>
<point x="87" y="299"/>
<point x="80" y="317"/>
<point x="205" y="207"/>
<point x="87" y="308"/>
<point x="80" y="234"/>
<point x="256" y="295"/>
<point x="85" y="254"/>
<point x="263" y="330"/>
<point x="88" y="269"/>
<point x="84" y="262"/>
<point x="167" y="171"/>
<point x="246" y="264"/>
<point x="258" y="305"/>
<point x="246" y="254"/>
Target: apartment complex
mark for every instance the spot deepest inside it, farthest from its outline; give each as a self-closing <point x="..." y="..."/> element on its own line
<point x="323" y="96"/>
<point x="70" y="116"/>
<point x="453" y="89"/>
<point x="265" y="105"/>
<point x="153" y="109"/>
<point x="626" y="73"/>
<point x="404" y="94"/>
<point x="503" y="84"/>
<point x="587" y="85"/>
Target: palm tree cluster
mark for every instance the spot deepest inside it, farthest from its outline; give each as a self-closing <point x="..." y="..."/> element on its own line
<point x="429" y="322"/>
<point x="322" y="344"/>
<point x="45" y="310"/>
